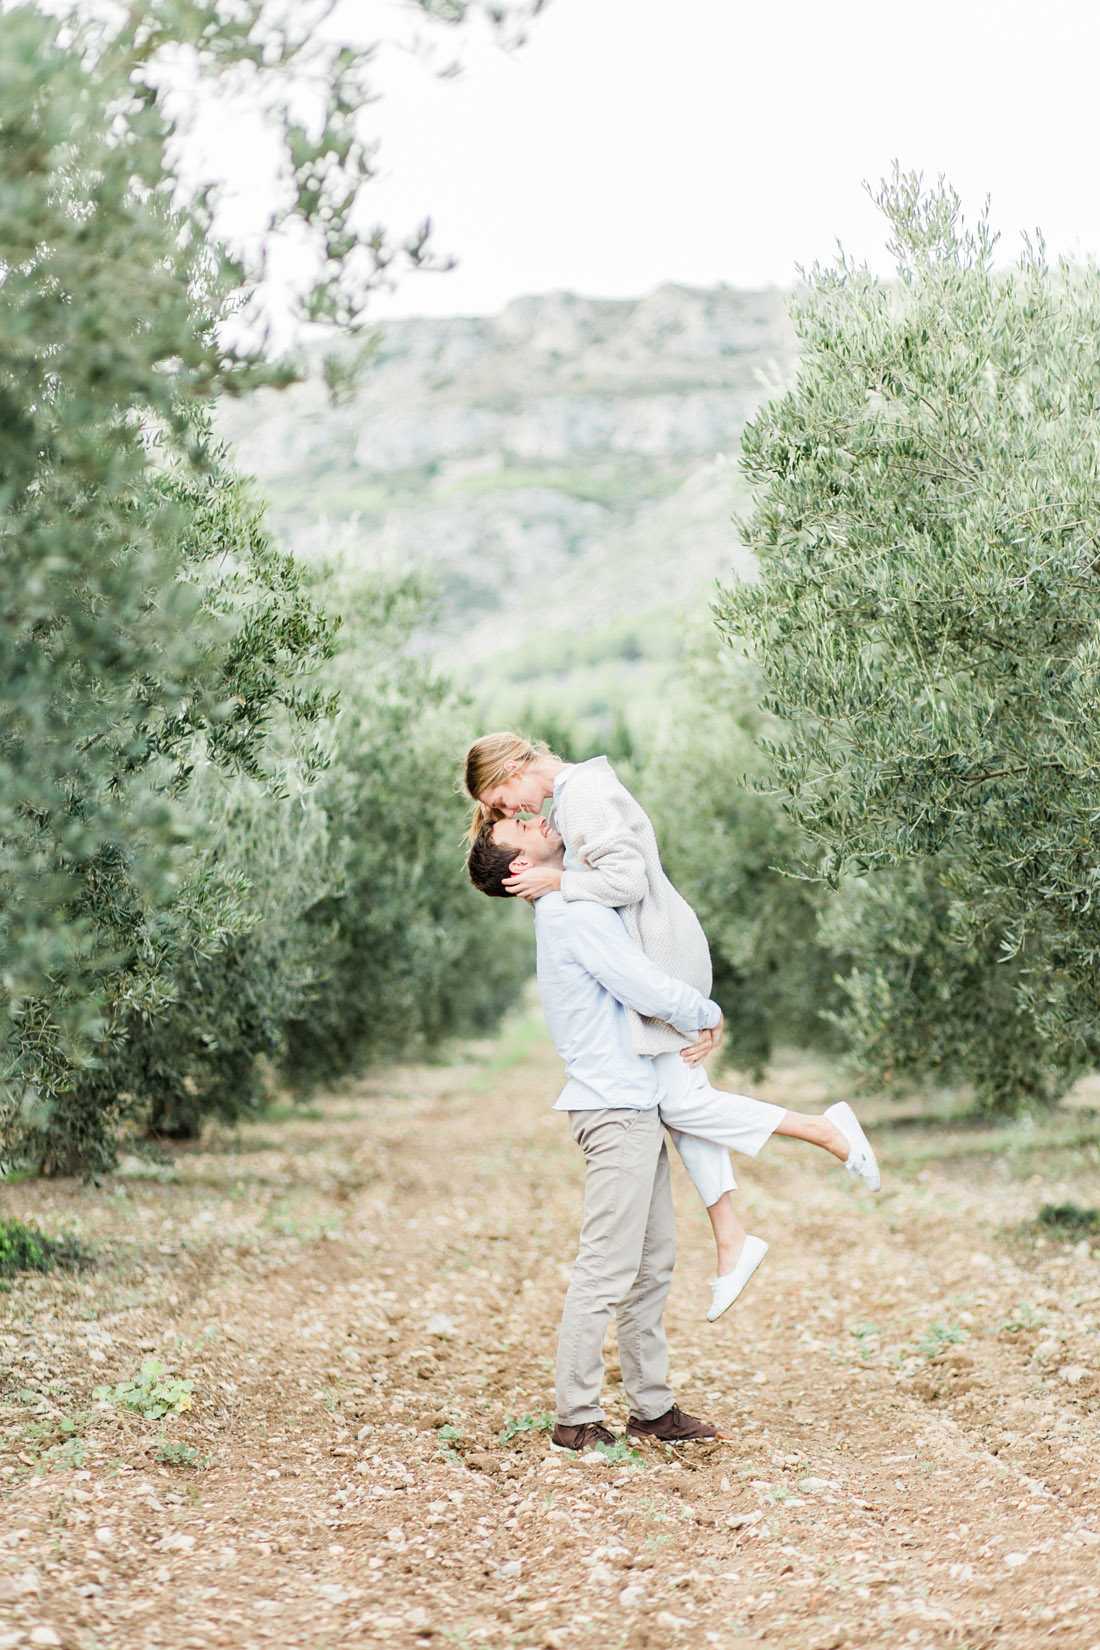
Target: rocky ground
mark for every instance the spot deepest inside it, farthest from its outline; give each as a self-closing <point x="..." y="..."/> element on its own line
<point x="364" y="1301"/>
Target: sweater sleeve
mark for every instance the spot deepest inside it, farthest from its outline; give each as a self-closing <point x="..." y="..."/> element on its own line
<point x="597" y="828"/>
<point x="602" y="946"/>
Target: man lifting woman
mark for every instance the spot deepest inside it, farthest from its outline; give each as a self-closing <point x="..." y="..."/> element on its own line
<point x="624" y="976"/>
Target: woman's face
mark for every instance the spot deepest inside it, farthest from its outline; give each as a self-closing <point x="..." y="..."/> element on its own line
<point x="522" y="791"/>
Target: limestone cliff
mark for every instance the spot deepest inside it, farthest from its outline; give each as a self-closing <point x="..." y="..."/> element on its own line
<point x="554" y="468"/>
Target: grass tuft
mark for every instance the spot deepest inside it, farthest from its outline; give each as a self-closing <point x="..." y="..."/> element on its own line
<point x="515" y="1426"/>
<point x="26" y="1249"/>
<point x="1069" y="1219"/>
<point x="938" y="1336"/>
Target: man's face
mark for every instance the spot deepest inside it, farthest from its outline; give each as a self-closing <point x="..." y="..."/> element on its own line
<point x="530" y="839"/>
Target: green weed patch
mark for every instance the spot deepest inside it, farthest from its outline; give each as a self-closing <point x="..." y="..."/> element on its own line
<point x="620" y="1451"/>
<point x="26" y="1249"/>
<point x="938" y="1337"/>
<point x="516" y="1426"/>
<point x="1069" y="1219"/>
<point x="173" y="1453"/>
<point x="152" y="1392"/>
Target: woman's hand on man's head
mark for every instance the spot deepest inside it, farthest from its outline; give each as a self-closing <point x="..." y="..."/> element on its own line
<point x="534" y="881"/>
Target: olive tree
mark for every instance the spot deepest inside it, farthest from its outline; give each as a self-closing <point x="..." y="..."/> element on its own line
<point x="927" y="623"/>
<point x="411" y="952"/>
<point x="149" y="631"/>
<point x="728" y="847"/>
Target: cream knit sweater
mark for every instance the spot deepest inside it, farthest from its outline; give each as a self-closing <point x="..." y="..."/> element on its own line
<point x="611" y="856"/>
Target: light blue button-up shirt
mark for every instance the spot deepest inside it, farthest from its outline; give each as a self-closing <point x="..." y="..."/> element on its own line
<point x="589" y="972"/>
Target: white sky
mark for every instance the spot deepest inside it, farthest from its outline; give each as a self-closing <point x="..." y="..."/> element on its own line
<point x="631" y="142"/>
<point x="637" y="141"/>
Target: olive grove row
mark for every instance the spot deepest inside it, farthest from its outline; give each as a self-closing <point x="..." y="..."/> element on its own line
<point x="228" y="835"/>
<point x="913" y="686"/>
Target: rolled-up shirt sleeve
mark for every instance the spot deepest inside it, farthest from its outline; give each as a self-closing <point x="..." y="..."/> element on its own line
<point x="603" y="947"/>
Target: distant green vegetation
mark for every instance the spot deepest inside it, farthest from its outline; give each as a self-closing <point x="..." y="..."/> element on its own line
<point x="652" y="637"/>
<point x="407" y="952"/>
<point x="729" y="848"/>
<point x="369" y="500"/>
<point x="587" y="683"/>
<point x="608" y="483"/>
<point x="333" y="487"/>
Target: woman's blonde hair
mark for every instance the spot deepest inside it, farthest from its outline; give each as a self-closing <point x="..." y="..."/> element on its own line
<point x="487" y="765"/>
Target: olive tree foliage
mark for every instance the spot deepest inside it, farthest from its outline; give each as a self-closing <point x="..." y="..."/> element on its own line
<point x="412" y="952"/>
<point x="923" y="1000"/>
<point x="122" y="891"/>
<point x="149" y="633"/>
<point x="195" y="1023"/>
<point x="727" y="846"/>
<point x="142" y="623"/>
<point x="927" y="624"/>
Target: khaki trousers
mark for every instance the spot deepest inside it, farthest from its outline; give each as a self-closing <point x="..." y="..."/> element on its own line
<point x="623" y="1266"/>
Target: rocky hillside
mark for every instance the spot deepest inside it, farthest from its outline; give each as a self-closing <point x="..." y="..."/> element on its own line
<point x="565" y="472"/>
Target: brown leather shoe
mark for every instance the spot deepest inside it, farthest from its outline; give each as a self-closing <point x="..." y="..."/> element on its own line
<point x="674" y="1427"/>
<point x="586" y="1436"/>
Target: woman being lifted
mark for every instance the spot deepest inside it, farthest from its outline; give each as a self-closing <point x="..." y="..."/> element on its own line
<point x="611" y="856"/>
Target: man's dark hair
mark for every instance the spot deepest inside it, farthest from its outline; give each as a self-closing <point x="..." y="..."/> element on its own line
<point x="489" y="864"/>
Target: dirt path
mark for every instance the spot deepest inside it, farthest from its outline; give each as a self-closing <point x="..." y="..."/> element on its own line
<point x="366" y="1300"/>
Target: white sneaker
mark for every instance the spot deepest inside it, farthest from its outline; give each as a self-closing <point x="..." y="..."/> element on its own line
<point x="724" y="1291"/>
<point x="861" y="1159"/>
